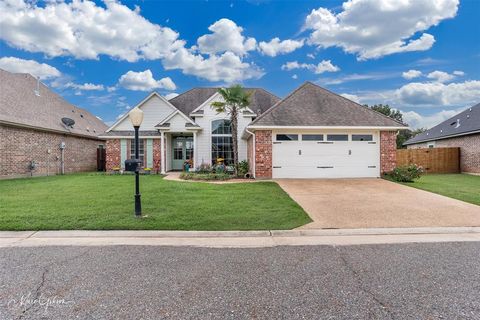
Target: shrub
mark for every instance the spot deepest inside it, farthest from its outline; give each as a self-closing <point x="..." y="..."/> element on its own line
<point x="406" y="173"/>
<point x="204" y="168"/>
<point x="205" y="176"/>
<point x="243" y="168"/>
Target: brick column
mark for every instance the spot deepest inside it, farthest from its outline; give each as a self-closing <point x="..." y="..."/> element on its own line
<point x="388" y="151"/>
<point x="112" y="154"/>
<point x="157" y="159"/>
<point x="263" y="154"/>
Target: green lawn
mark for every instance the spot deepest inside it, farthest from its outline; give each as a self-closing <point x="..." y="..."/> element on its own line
<point x="96" y="201"/>
<point x="463" y="187"/>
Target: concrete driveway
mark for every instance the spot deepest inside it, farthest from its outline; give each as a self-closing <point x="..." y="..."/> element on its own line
<point x="369" y="203"/>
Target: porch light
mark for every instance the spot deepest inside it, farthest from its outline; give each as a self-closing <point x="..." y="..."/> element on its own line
<point x="136" y="117"/>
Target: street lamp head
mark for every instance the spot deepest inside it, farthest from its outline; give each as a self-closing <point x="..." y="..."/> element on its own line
<point x="136" y="117"/>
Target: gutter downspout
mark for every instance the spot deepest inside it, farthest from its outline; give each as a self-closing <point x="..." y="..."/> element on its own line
<point x="253" y="152"/>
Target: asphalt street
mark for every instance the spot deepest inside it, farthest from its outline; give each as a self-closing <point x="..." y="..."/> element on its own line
<point x="402" y="281"/>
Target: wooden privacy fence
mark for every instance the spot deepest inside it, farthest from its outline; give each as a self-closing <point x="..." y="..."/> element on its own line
<point x="433" y="160"/>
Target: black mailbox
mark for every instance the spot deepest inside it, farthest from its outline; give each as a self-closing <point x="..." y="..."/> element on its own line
<point x="132" y="165"/>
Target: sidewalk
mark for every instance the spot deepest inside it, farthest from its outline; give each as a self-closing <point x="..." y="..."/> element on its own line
<point x="238" y="239"/>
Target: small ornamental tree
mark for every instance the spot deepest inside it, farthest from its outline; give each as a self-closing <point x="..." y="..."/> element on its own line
<point x="236" y="99"/>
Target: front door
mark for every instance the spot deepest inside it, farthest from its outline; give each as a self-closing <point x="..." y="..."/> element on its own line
<point x="182" y="151"/>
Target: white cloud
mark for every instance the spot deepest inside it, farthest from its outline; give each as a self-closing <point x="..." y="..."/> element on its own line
<point x="276" y="47"/>
<point x="365" y="27"/>
<point x="321" y="67"/>
<point x="85" y="30"/>
<point x="459" y="73"/>
<point x="144" y="81"/>
<point x="439" y="94"/>
<point x="311" y="56"/>
<point x="440" y="76"/>
<point x="358" y="77"/>
<point x="352" y="97"/>
<point x="227" y="67"/>
<point x="85" y="86"/>
<point x="411" y="74"/>
<point x="225" y="36"/>
<point x="295" y="77"/>
<point x="171" y="95"/>
<point x="416" y="120"/>
<point x="17" y="65"/>
<point x="326" y="66"/>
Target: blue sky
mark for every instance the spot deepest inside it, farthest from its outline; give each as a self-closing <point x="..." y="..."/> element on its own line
<point x="422" y="57"/>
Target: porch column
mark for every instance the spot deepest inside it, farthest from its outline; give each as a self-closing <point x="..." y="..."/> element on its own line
<point x="162" y="151"/>
<point x="194" y="149"/>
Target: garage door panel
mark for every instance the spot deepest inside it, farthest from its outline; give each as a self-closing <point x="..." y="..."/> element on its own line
<point x="340" y="159"/>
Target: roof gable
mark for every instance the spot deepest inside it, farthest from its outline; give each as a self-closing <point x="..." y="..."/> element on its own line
<point x="311" y="105"/>
<point x="20" y="105"/>
<point x="460" y="124"/>
<point x="155" y="108"/>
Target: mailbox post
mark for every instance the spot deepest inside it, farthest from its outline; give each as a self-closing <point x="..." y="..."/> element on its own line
<point x="136" y="117"/>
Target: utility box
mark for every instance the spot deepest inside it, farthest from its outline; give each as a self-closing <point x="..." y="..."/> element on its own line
<point x="132" y="165"/>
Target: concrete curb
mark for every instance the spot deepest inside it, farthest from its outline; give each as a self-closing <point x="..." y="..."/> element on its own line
<point x="237" y="239"/>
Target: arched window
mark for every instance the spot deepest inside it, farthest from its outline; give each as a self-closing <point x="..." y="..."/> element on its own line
<point x="222" y="141"/>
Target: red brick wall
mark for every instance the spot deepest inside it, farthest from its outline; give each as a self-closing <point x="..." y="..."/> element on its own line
<point x="19" y="146"/>
<point x="388" y="151"/>
<point x="113" y="156"/>
<point x="263" y="154"/>
<point x="157" y="160"/>
<point x="469" y="150"/>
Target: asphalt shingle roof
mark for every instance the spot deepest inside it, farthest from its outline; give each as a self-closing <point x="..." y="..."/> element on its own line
<point x="127" y="133"/>
<point x="460" y="124"/>
<point x="19" y="104"/>
<point x="311" y="105"/>
<point x="188" y="101"/>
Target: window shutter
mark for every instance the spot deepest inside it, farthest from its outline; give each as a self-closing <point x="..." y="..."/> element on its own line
<point x="149" y="153"/>
<point x="123" y="152"/>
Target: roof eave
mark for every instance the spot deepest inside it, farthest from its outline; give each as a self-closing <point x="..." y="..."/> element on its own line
<point x="389" y="128"/>
<point x="408" y="142"/>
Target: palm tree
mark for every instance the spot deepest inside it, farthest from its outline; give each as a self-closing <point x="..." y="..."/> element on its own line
<point x="236" y="99"/>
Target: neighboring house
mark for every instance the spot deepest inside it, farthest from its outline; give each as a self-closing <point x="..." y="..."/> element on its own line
<point x="184" y="128"/>
<point x="462" y="130"/>
<point x="32" y="131"/>
<point x="312" y="133"/>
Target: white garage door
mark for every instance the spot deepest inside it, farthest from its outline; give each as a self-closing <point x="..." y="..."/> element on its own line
<point x="325" y="155"/>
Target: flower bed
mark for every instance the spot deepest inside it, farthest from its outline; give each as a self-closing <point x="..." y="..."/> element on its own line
<point x="205" y="176"/>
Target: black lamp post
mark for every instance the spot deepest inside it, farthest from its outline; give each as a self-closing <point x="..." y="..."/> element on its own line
<point x="136" y="117"/>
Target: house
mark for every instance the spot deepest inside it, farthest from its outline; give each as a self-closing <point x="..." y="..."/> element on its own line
<point x="33" y="138"/>
<point x="184" y="128"/>
<point x="462" y="131"/>
<point x="312" y="133"/>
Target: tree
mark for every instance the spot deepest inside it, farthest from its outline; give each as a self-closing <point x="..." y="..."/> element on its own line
<point x="236" y="99"/>
<point x="386" y="110"/>
<point x="403" y="135"/>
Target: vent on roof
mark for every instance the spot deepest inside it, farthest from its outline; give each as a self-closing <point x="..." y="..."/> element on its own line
<point x="68" y="122"/>
<point x="81" y="116"/>
<point x="37" y="90"/>
<point x="456" y="123"/>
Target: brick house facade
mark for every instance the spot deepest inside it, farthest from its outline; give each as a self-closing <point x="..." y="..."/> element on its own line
<point x="113" y="154"/>
<point x="388" y="151"/>
<point x="469" y="150"/>
<point x="263" y="154"/>
<point x="20" y="146"/>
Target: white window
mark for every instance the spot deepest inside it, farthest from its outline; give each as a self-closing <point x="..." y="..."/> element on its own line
<point x="141" y="150"/>
<point x="222" y="145"/>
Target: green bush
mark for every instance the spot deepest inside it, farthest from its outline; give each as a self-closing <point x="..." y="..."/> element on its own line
<point x="204" y="168"/>
<point x="406" y="173"/>
<point x="205" y="176"/>
<point x="243" y="168"/>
